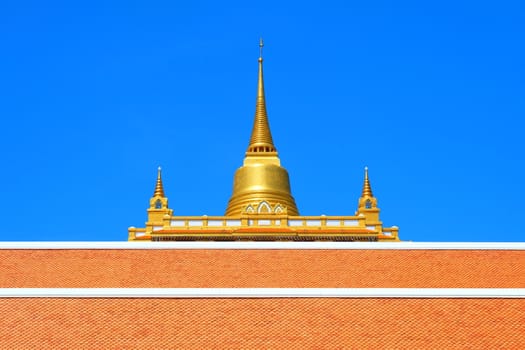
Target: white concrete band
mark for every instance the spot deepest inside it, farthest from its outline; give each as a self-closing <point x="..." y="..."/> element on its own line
<point x="186" y="293"/>
<point x="270" y="245"/>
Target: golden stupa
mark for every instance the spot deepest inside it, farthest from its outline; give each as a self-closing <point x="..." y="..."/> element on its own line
<point x="261" y="178"/>
<point x="262" y="207"/>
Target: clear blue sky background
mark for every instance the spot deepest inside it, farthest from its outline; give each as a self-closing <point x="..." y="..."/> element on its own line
<point x="94" y="95"/>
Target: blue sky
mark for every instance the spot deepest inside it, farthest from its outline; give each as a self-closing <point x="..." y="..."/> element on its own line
<point x="95" y="95"/>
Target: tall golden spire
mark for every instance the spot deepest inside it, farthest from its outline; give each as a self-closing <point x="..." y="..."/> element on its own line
<point x="261" y="182"/>
<point x="261" y="139"/>
<point x="367" y="189"/>
<point x="159" y="189"/>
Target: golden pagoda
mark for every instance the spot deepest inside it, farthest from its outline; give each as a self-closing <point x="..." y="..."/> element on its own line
<point x="262" y="207"/>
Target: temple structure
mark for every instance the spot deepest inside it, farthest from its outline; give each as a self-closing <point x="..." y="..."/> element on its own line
<point x="262" y="207"/>
<point x="262" y="295"/>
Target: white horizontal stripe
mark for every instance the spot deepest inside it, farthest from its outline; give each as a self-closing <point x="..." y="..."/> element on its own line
<point x="270" y="245"/>
<point x="262" y="292"/>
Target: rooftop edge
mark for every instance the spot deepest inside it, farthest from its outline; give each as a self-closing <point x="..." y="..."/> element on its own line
<point x="269" y="245"/>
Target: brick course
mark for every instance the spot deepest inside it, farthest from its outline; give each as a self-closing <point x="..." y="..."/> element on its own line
<point x="262" y="268"/>
<point x="262" y="323"/>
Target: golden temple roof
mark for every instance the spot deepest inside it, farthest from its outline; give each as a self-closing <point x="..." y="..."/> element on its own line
<point x="261" y="206"/>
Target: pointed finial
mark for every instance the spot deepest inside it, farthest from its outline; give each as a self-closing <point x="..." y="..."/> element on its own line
<point x="159" y="189"/>
<point x="261" y="140"/>
<point x="261" y="45"/>
<point x="367" y="189"/>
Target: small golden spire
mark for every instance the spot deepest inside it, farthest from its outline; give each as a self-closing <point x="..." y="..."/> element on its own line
<point x="261" y="139"/>
<point x="367" y="189"/>
<point x="159" y="189"/>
